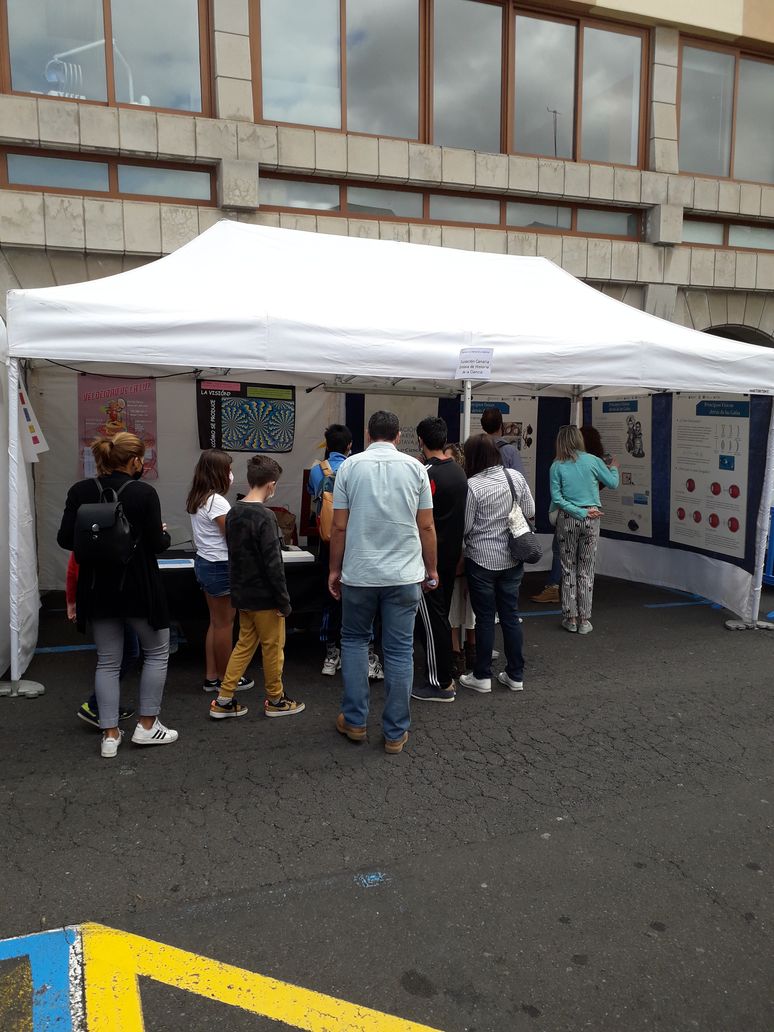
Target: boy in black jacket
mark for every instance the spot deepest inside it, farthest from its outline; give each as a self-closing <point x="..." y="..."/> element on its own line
<point x="259" y="592"/>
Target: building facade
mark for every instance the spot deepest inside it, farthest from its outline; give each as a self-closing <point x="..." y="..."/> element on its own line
<point x="630" y="141"/>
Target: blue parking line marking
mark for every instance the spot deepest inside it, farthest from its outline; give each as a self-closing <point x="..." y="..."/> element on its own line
<point x="49" y="955"/>
<point x="46" y="649"/>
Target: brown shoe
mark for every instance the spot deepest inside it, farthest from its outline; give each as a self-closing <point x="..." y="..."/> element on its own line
<point x="354" y="734"/>
<point x="395" y="745"/>
<point x="550" y="593"/>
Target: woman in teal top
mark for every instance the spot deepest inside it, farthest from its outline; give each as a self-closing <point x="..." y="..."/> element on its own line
<point x="575" y="480"/>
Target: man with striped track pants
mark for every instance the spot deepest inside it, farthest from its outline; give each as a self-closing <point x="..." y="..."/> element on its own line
<point x="449" y="487"/>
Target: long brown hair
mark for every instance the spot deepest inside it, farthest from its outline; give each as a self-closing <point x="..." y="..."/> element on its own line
<point x="210" y="477"/>
<point x="111" y="453"/>
<point x="481" y="453"/>
<point x="592" y="441"/>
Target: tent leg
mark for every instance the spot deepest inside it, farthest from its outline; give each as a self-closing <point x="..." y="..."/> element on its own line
<point x="467" y="405"/>
<point x="16" y="687"/>
<point x="752" y="623"/>
<point x="576" y="407"/>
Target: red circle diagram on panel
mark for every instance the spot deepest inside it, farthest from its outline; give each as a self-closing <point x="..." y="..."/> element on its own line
<point x="716" y="488"/>
<point x="697" y="517"/>
<point x="690" y="485"/>
<point x="714" y="520"/>
<point x="733" y="524"/>
<point x="681" y="513"/>
<point x="734" y="491"/>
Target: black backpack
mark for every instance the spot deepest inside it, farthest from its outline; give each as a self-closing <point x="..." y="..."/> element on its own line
<point x="103" y="534"/>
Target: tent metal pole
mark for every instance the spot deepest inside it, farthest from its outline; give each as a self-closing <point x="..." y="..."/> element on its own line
<point x="13" y="510"/>
<point x="576" y="410"/>
<point x="467" y="405"/>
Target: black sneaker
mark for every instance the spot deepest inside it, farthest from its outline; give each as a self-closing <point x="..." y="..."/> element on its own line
<point x="125" y="712"/>
<point x="429" y="694"/>
<point x="221" y="710"/>
<point x="213" y="685"/>
<point x="90" y="715"/>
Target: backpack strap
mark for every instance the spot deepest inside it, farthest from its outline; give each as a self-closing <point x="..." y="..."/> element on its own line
<point x="325" y="466"/>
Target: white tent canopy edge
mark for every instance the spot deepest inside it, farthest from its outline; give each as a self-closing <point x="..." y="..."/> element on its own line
<point x="258" y="298"/>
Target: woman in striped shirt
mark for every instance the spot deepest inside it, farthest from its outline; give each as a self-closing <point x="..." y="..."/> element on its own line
<point x="494" y="577"/>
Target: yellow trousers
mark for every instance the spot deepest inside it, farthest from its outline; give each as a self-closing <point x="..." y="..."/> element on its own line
<point x="264" y="627"/>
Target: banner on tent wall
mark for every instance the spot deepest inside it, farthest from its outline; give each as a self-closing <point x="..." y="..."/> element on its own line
<point x="245" y="417"/>
<point x="409" y="410"/>
<point x="111" y="405"/>
<point x="519" y="427"/>
<point x="710" y="459"/>
<point x="625" y="426"/>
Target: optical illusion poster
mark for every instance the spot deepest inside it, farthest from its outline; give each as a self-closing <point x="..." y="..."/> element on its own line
<point x="245" y="417"/>
<point x="110" y="405"/>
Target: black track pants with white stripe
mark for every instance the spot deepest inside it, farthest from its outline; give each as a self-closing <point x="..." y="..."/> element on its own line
<point x="434" y="631"/>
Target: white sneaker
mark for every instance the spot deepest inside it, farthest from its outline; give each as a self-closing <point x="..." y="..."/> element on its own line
<point x="478" y="684"/>
<point x="375" y="672"/>
<point x="158" y="735"/>
<point x="109" y="746"/>
<point x="332" y="661"/>
<point x="515" y="686"/>
<point x="584" y="627"/>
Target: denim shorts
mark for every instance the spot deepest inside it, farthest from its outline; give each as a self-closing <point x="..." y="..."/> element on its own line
<point x="212" y="577"/>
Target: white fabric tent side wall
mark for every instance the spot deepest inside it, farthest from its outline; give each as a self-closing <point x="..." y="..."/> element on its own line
<point x="5" y="622"/>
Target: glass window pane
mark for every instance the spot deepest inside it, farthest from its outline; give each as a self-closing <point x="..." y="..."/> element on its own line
<point x="706" y="111"/>
<point x="608" y="223"/>
<point x="383" y="67"/>
<point x="164" y="182"/>
<point x="544" y="117"/>
<point x="65" y="173"/>
<point x="156" y="53"/>
<point x="759" y="237"/>
<point x="58" y="49"/>
<point x="464" y="209"/>
<point x="754" y="145"/>
<point x="300" y="61"/>
<point x="290" y="193"/>
<point x="384" y="202"/>
<point x="467" y="76"/>
<point x="610" y="120"/>
<point x="695" y="232"/>
<point x="538" y="216"/>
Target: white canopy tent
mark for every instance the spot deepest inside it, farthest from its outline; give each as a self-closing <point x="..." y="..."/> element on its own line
<point x="256" y="298"/>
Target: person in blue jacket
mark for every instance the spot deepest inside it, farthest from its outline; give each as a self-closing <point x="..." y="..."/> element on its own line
<point x="575" y="480"/>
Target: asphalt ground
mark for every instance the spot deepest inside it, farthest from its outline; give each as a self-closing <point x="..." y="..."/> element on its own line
<point x="593" y="853"/>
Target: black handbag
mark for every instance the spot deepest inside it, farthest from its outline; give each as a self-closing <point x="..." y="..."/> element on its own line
<point x="525" y="546"/>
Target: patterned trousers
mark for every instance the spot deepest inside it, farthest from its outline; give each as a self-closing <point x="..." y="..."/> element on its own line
<point x="578" y="550"/>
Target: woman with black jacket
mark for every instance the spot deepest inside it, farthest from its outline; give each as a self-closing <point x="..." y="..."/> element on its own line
<point x="111" y="595"/>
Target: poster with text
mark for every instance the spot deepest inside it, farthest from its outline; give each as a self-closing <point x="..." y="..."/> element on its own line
<point x="245" y="417"/>
<point x="625" y="426"/>
<point x="710" y="454"/>
<point x="111" y="405"/>
<point x="519" y="427"/>
<point x="409" y="410"/>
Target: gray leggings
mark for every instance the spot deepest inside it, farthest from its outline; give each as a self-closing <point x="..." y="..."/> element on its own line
<point x="109" y="639"/>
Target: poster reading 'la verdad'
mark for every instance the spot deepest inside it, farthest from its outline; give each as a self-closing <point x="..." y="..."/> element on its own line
<point x="710" y="456"/>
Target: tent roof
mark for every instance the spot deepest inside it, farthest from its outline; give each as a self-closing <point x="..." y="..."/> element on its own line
<point x="252" y="297"/>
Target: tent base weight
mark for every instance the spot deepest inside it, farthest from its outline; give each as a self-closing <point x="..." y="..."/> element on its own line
<point x="27" y="689"/>
<point x="757" y="625"/>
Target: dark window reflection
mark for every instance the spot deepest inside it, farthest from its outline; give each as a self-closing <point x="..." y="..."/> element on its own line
<point x="706" y="111"/>
<point x="164" y="182"/>
<point x="754" y="143"/>
<point x="464" y="209"/>
<point x="544" y="113"/>
<point x="610" y="120"/>
<point x="538" y="216"/>
<point x="608" y="223"/>
<point x="290" y="193"/>
<point x="384" y="202"/>
<point x="383" y="67"/>
<point x="467" y="74"/>
<point x="64" y="173"/>
<point x="58" y="48"/>
<point x="156" y="53"/>
<point x="300" y="61"/>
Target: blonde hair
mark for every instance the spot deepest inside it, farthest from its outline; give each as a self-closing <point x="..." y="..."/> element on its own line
<point x="569" y="441"/>
<point x="111" y="453"/>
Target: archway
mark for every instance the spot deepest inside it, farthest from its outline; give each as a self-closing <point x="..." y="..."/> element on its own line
<point x="745" y="334"/>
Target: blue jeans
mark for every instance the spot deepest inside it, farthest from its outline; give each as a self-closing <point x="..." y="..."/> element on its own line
<point x="398" y="609"/>
<point x="496" y="591"/>
<point x="555" y="576"/>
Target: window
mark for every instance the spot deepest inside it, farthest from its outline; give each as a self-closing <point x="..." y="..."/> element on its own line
<point x="554" y="100"/>
<point x="759" y="237"/>
<point x="447" y="208"/>
<point x="58" y="49"/>
<point x="467" y="74"/>
<point x="125" y="179"/>
<point x="294" y="193"/>
<point x="726" y="130"/>
<point x="608" y="223"/>
<point x="720" y="234"/>
<point x="371" y="201"/>
<point x="696" y="232"/>
<point x="594" y="221"/>
<point x="538" y="216"/>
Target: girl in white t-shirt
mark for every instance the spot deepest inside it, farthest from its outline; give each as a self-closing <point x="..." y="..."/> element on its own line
<point x="207" y="507"/>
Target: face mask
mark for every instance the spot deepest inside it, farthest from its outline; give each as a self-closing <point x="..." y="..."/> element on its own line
<point x="230" y="478"/>
<point x="138" y="474"/>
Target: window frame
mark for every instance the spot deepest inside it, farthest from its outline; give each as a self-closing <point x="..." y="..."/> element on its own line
<point x="580" y="23"/>
<point x="112" y="162"/>
<point x="727" y="223"/>
<point x="425" y="220"/>
<point x="739" y="54"/>
<point x="205" y="66"/>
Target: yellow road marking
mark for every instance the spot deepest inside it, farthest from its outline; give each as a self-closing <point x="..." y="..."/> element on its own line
<point x="114" y="960"/>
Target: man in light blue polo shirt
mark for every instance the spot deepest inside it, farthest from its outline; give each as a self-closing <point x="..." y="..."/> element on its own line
<point x="383" y="552"/>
